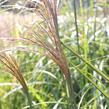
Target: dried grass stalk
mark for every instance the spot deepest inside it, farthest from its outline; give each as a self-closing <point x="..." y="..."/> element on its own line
<point x="12" y="66"/>
<point x="47" y="37"/>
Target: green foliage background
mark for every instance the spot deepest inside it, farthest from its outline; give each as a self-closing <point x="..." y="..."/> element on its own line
<point x="46" y="84"/>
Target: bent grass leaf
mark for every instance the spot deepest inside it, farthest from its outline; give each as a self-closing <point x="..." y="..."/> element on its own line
<point x="87" y="62"/>
<point x="90" y="80"/>
<point x="57" y="104"/>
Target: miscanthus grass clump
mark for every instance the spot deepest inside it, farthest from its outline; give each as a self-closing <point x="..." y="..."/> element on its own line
<point x="12" y="67"/>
